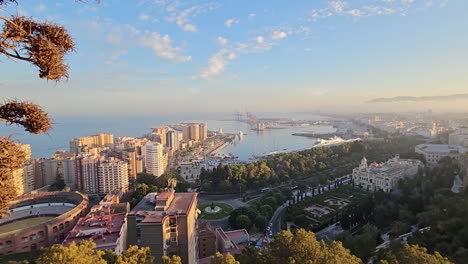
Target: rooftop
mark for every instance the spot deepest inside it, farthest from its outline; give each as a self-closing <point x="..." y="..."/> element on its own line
<point x="441" y="148"/>
<point x="238" y="236"/>
<point x="180" y="205"/>
<point x="104" y="230"/>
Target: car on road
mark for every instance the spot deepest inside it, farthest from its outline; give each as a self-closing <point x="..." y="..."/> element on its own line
<point x="270" y="234"/>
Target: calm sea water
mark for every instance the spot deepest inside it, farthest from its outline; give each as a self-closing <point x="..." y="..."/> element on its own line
<point x="253" y="143"/>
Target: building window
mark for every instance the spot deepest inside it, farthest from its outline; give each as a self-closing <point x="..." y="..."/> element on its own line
<point x="32" y="237"/>
<point x="55" y="229"/>
<point x="67" y="224"/>
<point x="8" y="244"/>
<point x="40" y="234"/>
<point x="61" y="226"/>
<point x="24" y="239"/>
<point x="1" y="245"/>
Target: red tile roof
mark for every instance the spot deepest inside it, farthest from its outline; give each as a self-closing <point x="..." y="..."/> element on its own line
<point x="104" y="230"/>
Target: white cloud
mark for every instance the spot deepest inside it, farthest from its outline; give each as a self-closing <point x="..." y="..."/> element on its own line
<point x="279" y="35"/>
<point x="232" y="56"/>
<point x="230" y="22"/>
<point x="216" y="65"/>
<point x="337" y="6"/>
<point x="222" y="41"/>
<point x="41" y="8"/>
<point x="143" y="17"/>
<point x="260" y="39"/>
<point x="252" y="16"/>
<point x="317" y="92"/>
<point x="163" y="48"/>
<point x="307" y="49"/>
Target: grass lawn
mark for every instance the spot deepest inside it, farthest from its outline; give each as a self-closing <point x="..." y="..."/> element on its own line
<point x="226" y="209"/>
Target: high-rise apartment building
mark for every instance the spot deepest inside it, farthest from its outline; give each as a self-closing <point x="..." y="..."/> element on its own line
<point x="194" y="132"/>
<point x="100" y="140"/>
<point x="161" y="133"/>
<point x="172" y="138"/>
<point x="23" y="178"/>
<point x="186" y="132"/>
<point x="62" y="164"/>
<point x="87" y="173"/>
<point x="167" y="224"/>
<point x="154" y="159"/>
<point x="112" y="175"/>
<point x="203" y="129"/>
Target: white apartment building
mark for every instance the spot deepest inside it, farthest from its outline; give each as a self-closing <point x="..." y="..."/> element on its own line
<point x="112" y="175"/>
<point x="154" y="159"/>
<point x="433" y="153"/>
<point x="385" y="176"/>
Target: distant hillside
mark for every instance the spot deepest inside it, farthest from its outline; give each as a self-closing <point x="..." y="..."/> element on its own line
<point x="440" y="98"/>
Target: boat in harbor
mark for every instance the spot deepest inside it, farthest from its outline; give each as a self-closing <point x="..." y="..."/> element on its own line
<point x="333" y="141"/>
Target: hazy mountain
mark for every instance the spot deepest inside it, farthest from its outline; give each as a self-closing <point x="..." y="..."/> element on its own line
<point x="440" y="98"/>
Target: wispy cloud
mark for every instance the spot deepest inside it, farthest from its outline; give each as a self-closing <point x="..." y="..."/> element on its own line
<point x="40" y="8"/>
<point x="182" y="19"/>
<point x="182" y="16"/>
<point x="216" y="65"/>
<point x="372" y="8"/>
<point x="222" y="41"/>
<point x="230" y="22"/>
<point x="143" y="17"/>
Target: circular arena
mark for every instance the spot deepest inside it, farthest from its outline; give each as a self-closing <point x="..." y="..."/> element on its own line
<point x="40" y="220"/>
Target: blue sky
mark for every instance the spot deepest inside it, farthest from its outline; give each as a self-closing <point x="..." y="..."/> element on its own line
<point x="160" y="56"/>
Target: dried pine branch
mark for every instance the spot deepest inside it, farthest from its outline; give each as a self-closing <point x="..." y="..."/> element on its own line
<point x="6" y="2"/>
<point x="43" y="44"/>
<point x="11" y="157"/>
<point x="26" y="114"/>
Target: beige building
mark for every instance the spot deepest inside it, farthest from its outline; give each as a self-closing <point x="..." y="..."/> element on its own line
<point x="87" y="173"/>
<point x="23" y="178"/>
<point x="195" y="131"/>
<point x="385" y="176"/>
<point x="459" y="137"/>
<point x="112" y="175"/>
<point x="433" y="153"/>
<point x="161" y="133"/>
<point x="190" y="170"/>
<point x="96" y="141"/>
<point x="62" y="164"/>
<point x="203" y="129"/>
<point x="167" y="224"/>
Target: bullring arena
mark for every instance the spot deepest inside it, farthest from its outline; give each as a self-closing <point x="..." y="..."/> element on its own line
<point x="40" y="220"/>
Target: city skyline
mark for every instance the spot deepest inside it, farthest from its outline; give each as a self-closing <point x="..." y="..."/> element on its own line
<point x="149" y="57"/>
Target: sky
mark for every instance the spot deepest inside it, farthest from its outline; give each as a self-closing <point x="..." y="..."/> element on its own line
<point x="145" y="57"/>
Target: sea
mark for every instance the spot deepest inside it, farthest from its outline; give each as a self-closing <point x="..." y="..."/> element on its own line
<point x="252" y="143"/>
